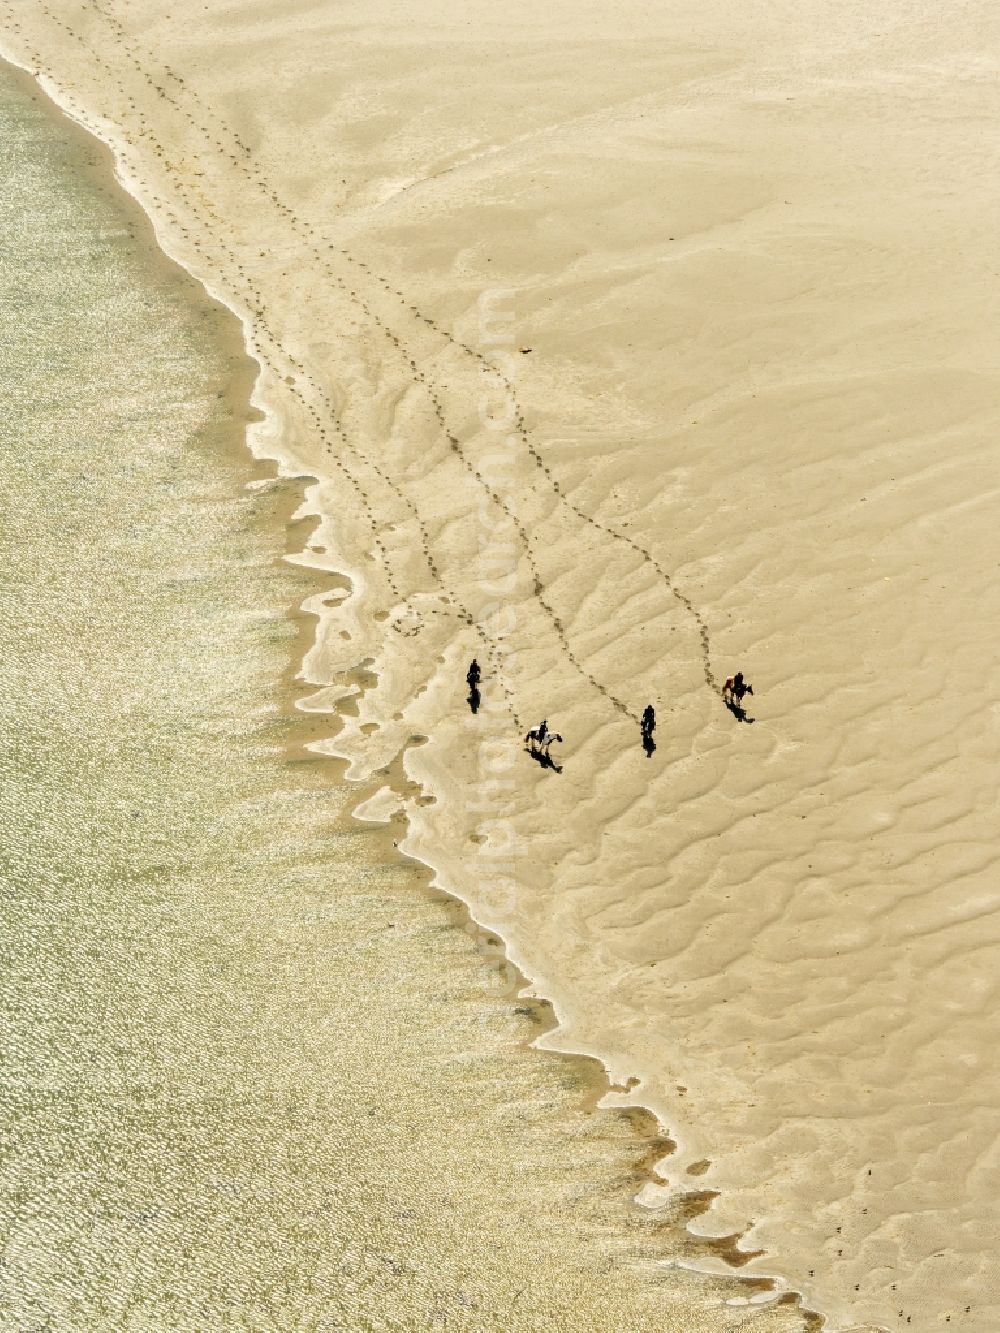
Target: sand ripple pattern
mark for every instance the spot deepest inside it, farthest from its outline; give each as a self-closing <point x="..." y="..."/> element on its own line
<point x="215" y="133"/>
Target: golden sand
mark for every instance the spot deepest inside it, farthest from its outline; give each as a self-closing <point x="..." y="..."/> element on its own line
<point x="629" y="347"/>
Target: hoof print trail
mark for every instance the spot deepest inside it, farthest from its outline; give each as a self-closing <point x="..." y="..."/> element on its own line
<point x="305" y="232"/>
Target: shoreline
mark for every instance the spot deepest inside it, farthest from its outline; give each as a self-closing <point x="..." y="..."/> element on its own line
<point x="719" y="1257"/>
<point x="217" y="1118"/>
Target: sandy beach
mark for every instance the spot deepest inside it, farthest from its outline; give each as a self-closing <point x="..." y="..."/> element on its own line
<point x="626" y="349"/>
<point x="256" y="1073"/>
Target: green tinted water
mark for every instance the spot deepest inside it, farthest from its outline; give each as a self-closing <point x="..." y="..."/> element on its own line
<point x="253" y="1076"/>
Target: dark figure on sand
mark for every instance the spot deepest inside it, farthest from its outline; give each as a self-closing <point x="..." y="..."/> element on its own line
<point x="473" y="678"/>
<point x="537" y="742"/>
<point x="648" y="724"/>
<point x="733" y="693"/>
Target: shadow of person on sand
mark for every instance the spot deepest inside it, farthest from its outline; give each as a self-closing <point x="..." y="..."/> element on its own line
<point x="475" y="698"/>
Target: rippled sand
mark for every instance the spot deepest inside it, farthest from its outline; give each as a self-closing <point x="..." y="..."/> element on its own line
<point x="738" y="266"/>
<point x="255" y="1075"/>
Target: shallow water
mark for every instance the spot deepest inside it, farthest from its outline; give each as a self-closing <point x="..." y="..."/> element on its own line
<point x="254" y="1074"/>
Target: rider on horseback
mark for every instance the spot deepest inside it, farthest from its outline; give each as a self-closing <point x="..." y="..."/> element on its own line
<point x="735" y="688"/>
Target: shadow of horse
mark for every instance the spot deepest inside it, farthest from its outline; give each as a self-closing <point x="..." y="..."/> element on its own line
<point x="545" y="760"/>
<point x="739" y="712"/>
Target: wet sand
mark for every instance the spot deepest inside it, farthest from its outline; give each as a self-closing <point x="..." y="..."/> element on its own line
<point x="624" y="361"/>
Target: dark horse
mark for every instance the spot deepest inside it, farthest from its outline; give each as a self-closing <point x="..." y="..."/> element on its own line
<point x="473" y="678"/>
<point x="647" y="726"/>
